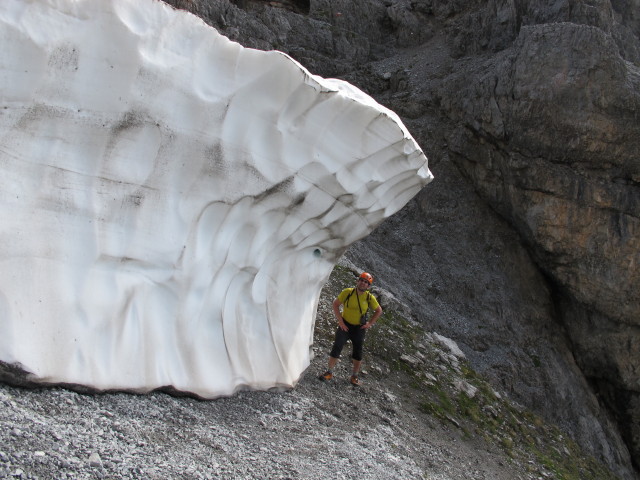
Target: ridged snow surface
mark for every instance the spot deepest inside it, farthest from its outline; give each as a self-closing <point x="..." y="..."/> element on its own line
<point x="171" y="203"/>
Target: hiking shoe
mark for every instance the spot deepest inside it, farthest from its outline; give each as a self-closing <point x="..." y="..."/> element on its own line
<point x="354" y="381"/>
<point x="326" y="376"/>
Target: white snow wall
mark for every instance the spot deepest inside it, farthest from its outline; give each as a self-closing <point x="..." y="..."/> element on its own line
<point x="171" y="203"/>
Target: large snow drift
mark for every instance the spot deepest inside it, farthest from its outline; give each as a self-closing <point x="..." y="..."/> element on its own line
<point x="171" y="203"/>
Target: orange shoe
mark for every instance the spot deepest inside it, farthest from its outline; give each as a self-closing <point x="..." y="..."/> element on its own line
<point x="326" y="376"/>
<point x="354" y="381"/>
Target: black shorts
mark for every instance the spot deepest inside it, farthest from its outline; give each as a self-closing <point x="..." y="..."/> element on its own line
<point x="354" y="333"/>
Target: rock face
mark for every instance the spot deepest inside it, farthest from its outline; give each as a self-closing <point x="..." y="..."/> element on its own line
<point x="528" y="110"/>
<point x="551" y="143"/>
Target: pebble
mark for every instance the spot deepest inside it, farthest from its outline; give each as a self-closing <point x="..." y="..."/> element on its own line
<point x="95" y="460"/>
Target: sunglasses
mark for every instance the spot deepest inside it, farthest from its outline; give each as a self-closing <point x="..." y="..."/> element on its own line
<point x="364" y="280"/>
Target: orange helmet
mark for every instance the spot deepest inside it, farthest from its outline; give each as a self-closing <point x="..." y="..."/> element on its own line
<point x="366" y="276"/>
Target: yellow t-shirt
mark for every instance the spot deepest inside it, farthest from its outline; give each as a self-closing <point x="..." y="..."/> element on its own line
<point x="350" y="310"/>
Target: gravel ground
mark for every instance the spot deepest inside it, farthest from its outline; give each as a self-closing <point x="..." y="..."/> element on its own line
<point x="315" y="431"/>
<point x="318" y="430"/>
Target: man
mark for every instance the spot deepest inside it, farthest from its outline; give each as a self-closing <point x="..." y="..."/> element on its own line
<point x="352" y="324"/>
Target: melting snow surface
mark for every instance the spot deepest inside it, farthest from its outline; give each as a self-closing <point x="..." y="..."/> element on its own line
<point x="171" y="203"/>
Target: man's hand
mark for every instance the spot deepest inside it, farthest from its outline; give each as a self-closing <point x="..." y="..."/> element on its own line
<point x="342" y="325"/>
<point x="376" y="315"/>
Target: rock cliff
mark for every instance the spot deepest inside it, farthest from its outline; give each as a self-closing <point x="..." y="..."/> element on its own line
<point x="526" y="247"/>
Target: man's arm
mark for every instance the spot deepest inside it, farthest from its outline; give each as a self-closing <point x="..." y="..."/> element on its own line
<point x="338" y="315"/>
